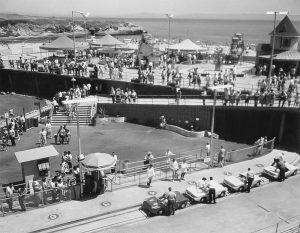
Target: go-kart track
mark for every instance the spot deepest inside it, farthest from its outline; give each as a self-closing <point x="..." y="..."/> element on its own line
<point x="257" y="211"/>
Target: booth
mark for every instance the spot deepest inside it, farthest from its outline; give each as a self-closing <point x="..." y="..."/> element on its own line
<point x="36" y="163"/>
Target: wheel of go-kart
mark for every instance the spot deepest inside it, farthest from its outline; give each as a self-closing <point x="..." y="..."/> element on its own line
<point x="203" y="200"/>
<point x="258" y="184"/>
<point x="295" y="172"/>
<point x="222" y="194"/>
<point x="241" y="189"/>
<point x="160" y="212"/>
<point x="183" y="205"/>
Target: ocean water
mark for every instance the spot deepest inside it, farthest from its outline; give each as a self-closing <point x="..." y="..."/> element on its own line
<point x="212" y="30"/>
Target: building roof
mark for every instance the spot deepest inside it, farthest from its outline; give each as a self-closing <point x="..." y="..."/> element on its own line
<point x="64" y="43"/>
<point x="36" y="154"/>
<point x="286" y="28"/>
<point x="187" y="45"/>
<point x="109" y="40"/>
<point x="290" y="55"/>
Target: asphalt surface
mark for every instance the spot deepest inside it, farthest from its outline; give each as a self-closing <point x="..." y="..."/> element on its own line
<point x="129" y="141"/>
<point x="258" y="211"/>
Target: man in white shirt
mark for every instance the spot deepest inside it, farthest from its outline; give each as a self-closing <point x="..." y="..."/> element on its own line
<point x="169" y="155"/>
<point x="48" y="130"/>
<point x="150" y="175"/>
<point x="174" y="167"/>
<point x="212" y="190"/>
<point x="207" y="149"/>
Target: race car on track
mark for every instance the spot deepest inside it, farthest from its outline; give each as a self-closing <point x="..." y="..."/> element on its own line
<point x="158" y="205"/>
<point x="239" y="184"/>
<point x="273" y="173"/>
<point x="198" y="194"/>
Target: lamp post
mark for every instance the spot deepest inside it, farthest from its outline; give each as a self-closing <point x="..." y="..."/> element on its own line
<point x="275" y="13"/>
<point x="170" y="16"/>
<point x="77" y="117"/>
<point x="214" y="89"/>
<point x="84" y="15"/>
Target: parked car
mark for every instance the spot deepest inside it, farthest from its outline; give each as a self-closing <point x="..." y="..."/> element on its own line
<point x="273" y="172"/>
<point x="239" y="184"/>
<point x="198" y="194"/>
<point x="158" y="205"/>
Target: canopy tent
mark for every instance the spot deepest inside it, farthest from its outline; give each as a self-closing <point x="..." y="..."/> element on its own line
<point x="36" y="154"/>
<point x="98" y="161"/>
<point x="64" y="43"/>
<point x="290" y="55"/>
<point x="109" y="41"/>
<point x="187" y="45"/>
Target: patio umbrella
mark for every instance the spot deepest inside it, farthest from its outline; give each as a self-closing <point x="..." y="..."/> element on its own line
<point x="98" y="161"/>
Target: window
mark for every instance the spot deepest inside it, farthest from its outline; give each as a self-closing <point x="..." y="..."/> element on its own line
<point x="285" y="42"/>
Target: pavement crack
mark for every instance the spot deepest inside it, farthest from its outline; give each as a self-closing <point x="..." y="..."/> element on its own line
<point x="264" y="208"/>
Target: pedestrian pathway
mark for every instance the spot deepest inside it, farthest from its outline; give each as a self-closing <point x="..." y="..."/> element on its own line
<point x="122" y="199"/>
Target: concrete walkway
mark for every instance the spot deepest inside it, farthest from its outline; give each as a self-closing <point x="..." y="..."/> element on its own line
<point x="120" y="200"/>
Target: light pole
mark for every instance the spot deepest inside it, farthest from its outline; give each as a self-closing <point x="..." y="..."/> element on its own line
<point x="170" y="16"/>
<point x="77" y="117"/>
<point x="275" y="13"/>
<point x="214" y="89"/>
<point x="84" y="15"/>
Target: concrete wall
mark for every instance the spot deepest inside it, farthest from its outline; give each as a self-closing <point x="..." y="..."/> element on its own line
<point x="239" y="124"/>
<point x="46" y="85"/>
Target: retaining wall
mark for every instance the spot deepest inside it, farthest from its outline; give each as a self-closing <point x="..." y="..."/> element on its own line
<point x="238" y="124"/>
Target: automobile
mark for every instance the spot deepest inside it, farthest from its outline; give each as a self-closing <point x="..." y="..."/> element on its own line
<point x="197" y="194"/>
<point x="153" y="206"/>
<point x="273" y="172"/>
<point x="239" y="184"/>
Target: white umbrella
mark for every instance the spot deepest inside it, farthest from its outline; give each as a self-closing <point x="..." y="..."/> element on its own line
<point x="98" y="161"/>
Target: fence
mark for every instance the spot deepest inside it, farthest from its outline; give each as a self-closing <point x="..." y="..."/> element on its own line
<point x="135" y="172"/>
<point x="35" y="199"/>
<point x="250" y="152"/>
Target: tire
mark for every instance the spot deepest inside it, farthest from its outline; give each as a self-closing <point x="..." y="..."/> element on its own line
<point x="241" y="189"/>
<point x="183" y="205"/>
<point x="295" y="172"/>
<point x="258" y="184"/>
<point x="203" y="200"/>
<point x="222" y="194"/>
<point x="160" y="212"/>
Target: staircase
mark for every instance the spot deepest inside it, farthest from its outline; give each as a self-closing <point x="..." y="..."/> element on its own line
<point x="85" y="113"/>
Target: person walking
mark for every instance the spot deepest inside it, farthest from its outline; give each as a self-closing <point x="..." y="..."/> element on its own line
<point x="171" y="197"/>
<point x="207" y="149"/>
<point x="250" y="178"/>
<point x="150" y="175"/>
<point x="211" y="191"/>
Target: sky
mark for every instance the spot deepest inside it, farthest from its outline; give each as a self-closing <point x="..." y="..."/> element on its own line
<point x="108" y="8"/>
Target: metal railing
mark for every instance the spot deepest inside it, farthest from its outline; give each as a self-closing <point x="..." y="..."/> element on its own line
<point x="36" y="199"/>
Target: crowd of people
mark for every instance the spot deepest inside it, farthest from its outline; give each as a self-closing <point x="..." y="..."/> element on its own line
<point x="11" y="133"/>
<point x="120" y="96"/>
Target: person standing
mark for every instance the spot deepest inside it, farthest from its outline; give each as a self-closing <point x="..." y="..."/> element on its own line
<point x="250" y="178"/>
<point x="150" y="175"/>
<point x="22" y="192"/>
<point x="9" y="193"/>
<point x="282" y="169"/>
<point x="174" y="167"/>
<point x="221" y="156"/>
<point x="168" y="155"/>
<point x="113" y="169"/>
<point x="48" y="129"/>
<point x="211" y="191"/>
<point x="207" y="149"/>
<point x="184" y="169"/>
<point x="43" y="136"/>
<point x="171" y="197"/>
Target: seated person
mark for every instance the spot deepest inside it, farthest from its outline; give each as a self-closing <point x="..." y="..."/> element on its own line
<point x="67" y="133"/>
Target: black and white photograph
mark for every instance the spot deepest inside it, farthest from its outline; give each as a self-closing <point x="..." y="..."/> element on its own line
<point x="160" y="116"/>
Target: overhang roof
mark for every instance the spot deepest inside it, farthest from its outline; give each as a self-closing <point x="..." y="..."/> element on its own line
<point x="36" y="154"/>
<point x="290" y="55"/>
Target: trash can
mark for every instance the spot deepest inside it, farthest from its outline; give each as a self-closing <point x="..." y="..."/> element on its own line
<point x="125" y="166"/>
